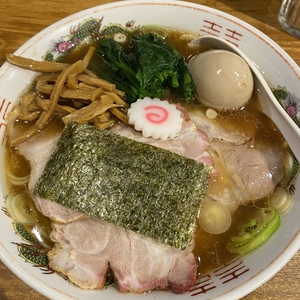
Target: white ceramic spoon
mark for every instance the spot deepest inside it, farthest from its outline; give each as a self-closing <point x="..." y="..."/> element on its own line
<point x="270" y="105"/>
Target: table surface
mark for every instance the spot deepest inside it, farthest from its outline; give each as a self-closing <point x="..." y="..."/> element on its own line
<point x="20" y="20"/>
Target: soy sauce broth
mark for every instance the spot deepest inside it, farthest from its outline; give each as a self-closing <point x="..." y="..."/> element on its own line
<point x="210" y="250"/>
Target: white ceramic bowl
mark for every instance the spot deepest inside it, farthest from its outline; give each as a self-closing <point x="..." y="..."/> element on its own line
<point x="240" y="276"/>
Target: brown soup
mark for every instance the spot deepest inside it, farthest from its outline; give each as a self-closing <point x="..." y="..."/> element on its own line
<point x="210" y="250"/>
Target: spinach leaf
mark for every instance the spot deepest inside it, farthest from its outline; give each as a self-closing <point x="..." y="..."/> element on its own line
<point x="152" y="69"/>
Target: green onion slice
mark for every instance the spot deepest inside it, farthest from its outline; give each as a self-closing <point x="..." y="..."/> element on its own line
<point x="255" y="233"/>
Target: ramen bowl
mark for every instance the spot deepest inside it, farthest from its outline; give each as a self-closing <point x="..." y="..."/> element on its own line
<point x="239" y="276"/>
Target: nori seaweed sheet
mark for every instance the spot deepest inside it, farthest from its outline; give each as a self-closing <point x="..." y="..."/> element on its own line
<point x="137" y="186"/>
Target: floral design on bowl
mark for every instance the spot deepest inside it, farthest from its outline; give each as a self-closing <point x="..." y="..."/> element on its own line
<point x="87" y="31"/>
<point x="290" y="102"/>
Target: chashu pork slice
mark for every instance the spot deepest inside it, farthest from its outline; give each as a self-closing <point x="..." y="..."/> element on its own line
<point x="85" y="250"/>
<point x="86" y="247"/>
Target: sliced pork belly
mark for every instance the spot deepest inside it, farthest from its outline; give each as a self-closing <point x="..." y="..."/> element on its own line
<point x="251" y="171"/>
<point x="190" y="142"/>
<point x="256" y="171"/>
<point x="214" y="130"/>
<point x="85" y="247"/>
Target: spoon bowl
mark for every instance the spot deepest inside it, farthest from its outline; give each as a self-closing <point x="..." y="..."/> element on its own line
<point x="270" y="105"/>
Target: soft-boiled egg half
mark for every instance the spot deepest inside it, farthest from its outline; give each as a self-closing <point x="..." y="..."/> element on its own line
<point x="223" y="79"/>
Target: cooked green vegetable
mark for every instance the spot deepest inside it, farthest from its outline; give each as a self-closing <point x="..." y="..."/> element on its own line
<point x="134" y="185"/>
<point x="256" y="232"/>
<point x="151" y="69"/>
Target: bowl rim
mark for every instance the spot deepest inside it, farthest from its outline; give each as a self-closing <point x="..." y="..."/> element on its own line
<point x="293" y="246"/>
